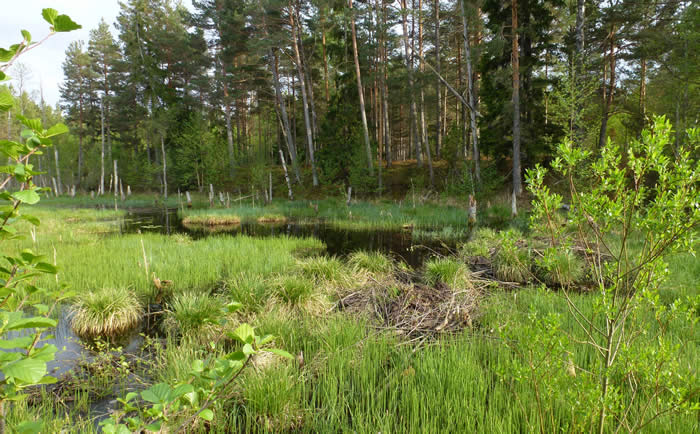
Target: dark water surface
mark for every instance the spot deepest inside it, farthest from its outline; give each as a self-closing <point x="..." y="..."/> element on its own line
<point x="398" y="243"/>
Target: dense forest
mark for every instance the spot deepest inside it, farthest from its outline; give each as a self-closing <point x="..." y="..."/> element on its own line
<point x="469" y="92"/>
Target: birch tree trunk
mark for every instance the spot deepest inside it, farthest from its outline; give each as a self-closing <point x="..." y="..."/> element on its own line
<point x="59" y="191"/>
<point x="304" y="98"/>
<point x="409" y="72"/>
<point x="360" y="92"/>
<point x="517" y="182"/>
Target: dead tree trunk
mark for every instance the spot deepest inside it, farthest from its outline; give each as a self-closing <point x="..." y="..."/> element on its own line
<point x="165" y="167"/>
<point x="102" y="153"/>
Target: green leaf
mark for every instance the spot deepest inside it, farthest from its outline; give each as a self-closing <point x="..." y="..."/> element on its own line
<point x="207" y="414"/>
<point x="22" y="342"/>
<point x="157" y="394"/>
<point x="29" y="197"/>
<point x="3" y="76"/>
<point x="7" y="55"/>
<point x="56" y="130"/>
<point x="63" y="23"/>
<point x="28" y="427"/>
<point x="45" y="267"/>
<point x="279" y="352"/>
<point x="6" y="99"/>
<point x="32" y="124"/>
<point x="245" y="333"/>
<point x="32" y="322"/>
<point x="31" y="219"/>
<point x="26" y="370"/>
<point x="27" y="37"/>
<point x="49" y="15"/>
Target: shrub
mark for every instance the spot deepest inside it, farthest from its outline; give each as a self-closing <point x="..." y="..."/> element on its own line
<point x="108" y="313"/>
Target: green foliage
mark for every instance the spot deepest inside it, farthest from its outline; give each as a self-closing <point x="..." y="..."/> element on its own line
<point x="293" y="289"/>
<point x="559" y="267"/>
<point x="21" y="307"/>
<point x="106" y="313"/>
<point x="208" y="384"/>
<point x="634" y="213"/>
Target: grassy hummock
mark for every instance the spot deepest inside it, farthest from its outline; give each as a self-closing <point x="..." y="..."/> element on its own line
<point x="105" y="313"/>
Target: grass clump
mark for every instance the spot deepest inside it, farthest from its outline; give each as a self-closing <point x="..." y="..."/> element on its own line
<point x="482" y="242"/>
<point x="272" y="218"/>
<point x="192" y="313"/>
<point x="323" y="268"/>
<point x="211" y="220"/>
<point x="294" y="289"/>
<point x="249" y="289"/>
<point x="511" y="262"/>
<point x="560" y="267"/>
<point x="108" y="312"/>
<point x="446" y="270"/>
<point x="374" y="262"/>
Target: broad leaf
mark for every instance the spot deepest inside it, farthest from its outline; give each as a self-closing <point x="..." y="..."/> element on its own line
<point x="56" y="130"/>
<point x="26" y="370"/>
<point x="28" y="427"/>
<point x="27" y="37"/>
<point x="29" y="197"/>
<point x="206" y="414"/>
<point x="6" y="99"/>
<point x="63" y="23"/>
<point x="49" y="15"/>
<point x="32" y="322"/>
<point x="245" y="333"/>
<point x="157" y="394"/>
<point x="280" y="353"/>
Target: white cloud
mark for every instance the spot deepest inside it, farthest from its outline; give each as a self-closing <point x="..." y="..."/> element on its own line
<point x="46" y="60"/>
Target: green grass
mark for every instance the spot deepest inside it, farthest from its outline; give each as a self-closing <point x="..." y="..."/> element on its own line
<point x="374" y="262"/>
<point x="192" y="313"/>
<point x="356" y="377"/>
<point x="450" y="271"/>
<point x="105" y="313"/>
<point x="560" y="268"/>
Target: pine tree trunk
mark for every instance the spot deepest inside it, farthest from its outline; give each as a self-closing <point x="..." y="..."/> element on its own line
<point x="325" y="57"/>
<point x="360" y="92"/>
<point x="385" y="94"/>
<point x="607" y="103"/>
<point x="302" y="80"/>
<point x="409" y="72"/>
<point x="473" y="127"/>
<point x="102" y="153"/>
<point x="438" y="127"/>
<point x="424" y="129"/>
<point x="517" y="182"/>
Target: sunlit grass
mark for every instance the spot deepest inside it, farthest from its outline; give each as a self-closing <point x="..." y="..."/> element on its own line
<point x="106" y="313"/>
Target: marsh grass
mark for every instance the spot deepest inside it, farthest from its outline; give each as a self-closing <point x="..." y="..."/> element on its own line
<point x="107" y="312"/>
<point x="293" y="289"/>
<point x="559" y="267"/>
<point x="211" y="220"/>
<point x="512" y="261"/>
<point x="324" y="269"/>
<point x="373" y="262"/>
<point x="249" y="289"/>
<point x="450" y="271"/>
<point x="483" y="243"/>
<point x="271" y="218"/>
<point x="194" y="314"/>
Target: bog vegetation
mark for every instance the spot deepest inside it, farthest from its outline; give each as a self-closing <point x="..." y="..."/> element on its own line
<point x="547" y="150"/>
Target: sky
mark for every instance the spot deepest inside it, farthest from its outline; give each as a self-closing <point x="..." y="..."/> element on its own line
<point x="45" y="61"/>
